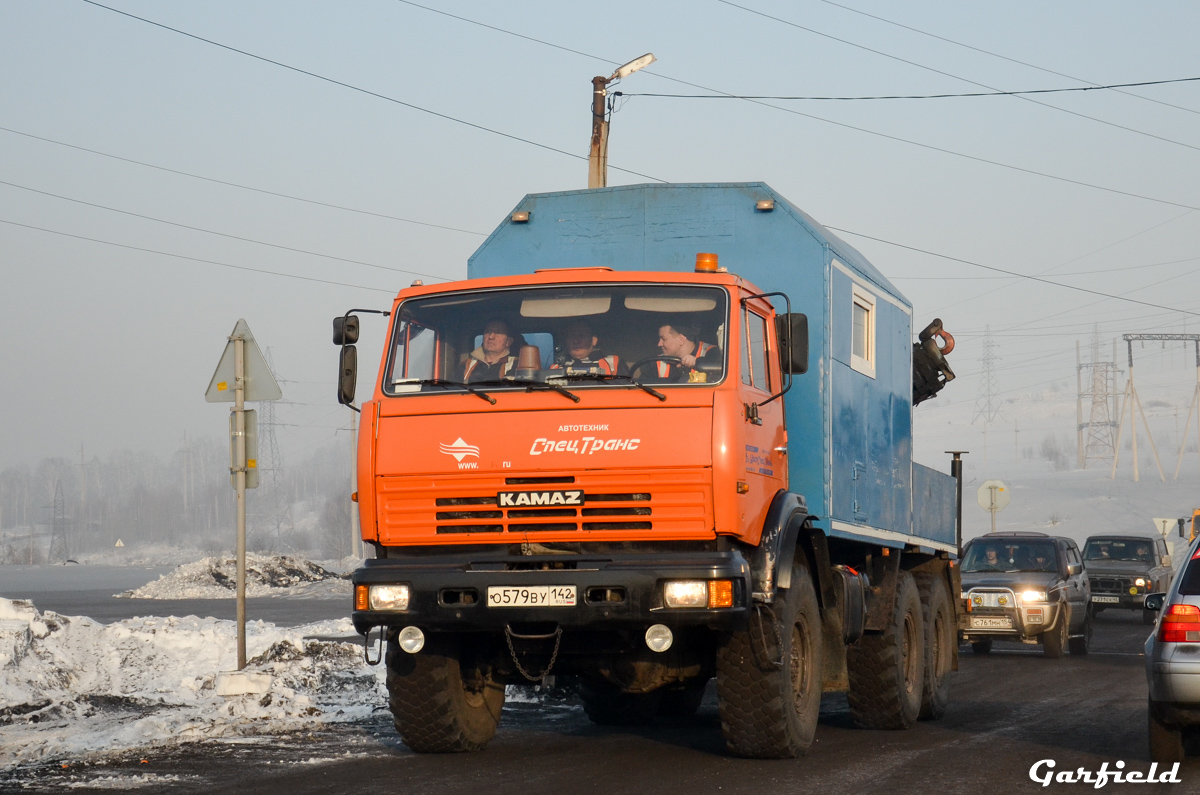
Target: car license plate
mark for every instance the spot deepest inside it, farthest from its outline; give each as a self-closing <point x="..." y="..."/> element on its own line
<point x="979" y="622"/>
<point x="531" y="596"/>
<point x="1107" y="600"/>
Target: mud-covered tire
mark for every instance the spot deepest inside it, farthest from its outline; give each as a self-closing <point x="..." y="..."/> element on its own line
<point x="433" y="710"/>
<point x="1079" y="646"/>
<point x="606" y="705"/>
<point x="1166" y="742"/>
<point x="982" y="646"/>
<point x="887" y="669"/>
<point x="1054" y="641"/>
<point x="682" y="702"/>
<point x="940" y="641"/>
<point x="770" y="697"/>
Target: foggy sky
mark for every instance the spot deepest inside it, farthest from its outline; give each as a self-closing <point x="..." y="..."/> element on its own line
<point x="112" y="348"/>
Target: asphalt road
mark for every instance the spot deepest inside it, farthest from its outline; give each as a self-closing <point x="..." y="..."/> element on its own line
<point x="1008" y="710"/>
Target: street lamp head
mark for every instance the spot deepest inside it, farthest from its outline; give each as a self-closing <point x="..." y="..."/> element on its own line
<point x="631" y="67"/>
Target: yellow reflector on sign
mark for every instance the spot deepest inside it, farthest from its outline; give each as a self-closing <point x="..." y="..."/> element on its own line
<point x="252" y="463"/>
<point x="221" y="387"/>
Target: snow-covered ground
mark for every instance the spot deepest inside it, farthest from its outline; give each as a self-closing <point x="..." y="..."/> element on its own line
<point x="72" y="689"/>
<point x="266" y="575"/>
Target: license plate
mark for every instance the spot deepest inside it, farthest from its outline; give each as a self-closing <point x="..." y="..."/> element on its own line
<point x="531" y="596"/>
<point x="1107" y="600"/>
<point x="991" y="623"/>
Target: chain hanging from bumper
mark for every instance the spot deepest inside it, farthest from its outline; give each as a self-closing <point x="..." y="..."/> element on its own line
<point x="557" y="635"/>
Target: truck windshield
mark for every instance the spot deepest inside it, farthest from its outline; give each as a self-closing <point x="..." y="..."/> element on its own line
<point x="1010" y="555"/>
<point x="1138" y="549"/>
<point x="582" y="336"/>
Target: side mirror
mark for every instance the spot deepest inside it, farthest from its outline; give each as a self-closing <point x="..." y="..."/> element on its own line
<point x="792" y="331"/>
<point x="348" y="374"/>
<point x="1074" y="568"/>
<point x="345" y="330"/>
<point x="1154" y="601"/>
<point x="1166" y="560"/>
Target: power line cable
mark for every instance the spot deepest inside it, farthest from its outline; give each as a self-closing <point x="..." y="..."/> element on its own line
<point x="908" y="96"/>
<point x="998" y="55"/>
<point x="824" y="120"/>
<point x="1013" y="273"/>
<point x="195" y="259"/>
<point x="948" y="74"/>
<point x="359" y="89"/>
<point x="220" y="234"/>
<point x="238" y="185"/>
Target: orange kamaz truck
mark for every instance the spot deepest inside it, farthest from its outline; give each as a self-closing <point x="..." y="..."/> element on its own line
<point x="661" y="435"/>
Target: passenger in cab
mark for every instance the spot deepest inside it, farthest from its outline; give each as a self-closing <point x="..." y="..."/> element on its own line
<point x="682" y="341"/>
<point x="492" y="360"/>
<point x="580" y="354"/>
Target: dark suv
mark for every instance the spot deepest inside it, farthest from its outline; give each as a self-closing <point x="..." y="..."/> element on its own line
<point x="1027" y="587"/>
<point x="1123" y="569"/>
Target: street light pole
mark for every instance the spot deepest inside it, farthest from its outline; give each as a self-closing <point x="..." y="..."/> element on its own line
<point x="598" y="155"/>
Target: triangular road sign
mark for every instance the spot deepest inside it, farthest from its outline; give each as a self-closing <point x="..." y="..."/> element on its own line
<point x="260" y="383"/>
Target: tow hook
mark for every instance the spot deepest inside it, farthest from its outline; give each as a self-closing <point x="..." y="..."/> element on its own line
<point x="378" y="644"/>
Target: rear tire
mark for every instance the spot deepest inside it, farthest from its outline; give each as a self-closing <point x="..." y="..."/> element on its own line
<point x="769" y="696"/>
<point x="606" y="705"/>
<point x="940" y="638"/>
<point x="433" y="709"/>
<point x="1054" y="641"/>
<point x="887" y="669"/>
<point x="1166" y="742"/>
<point x="982" y="646"/>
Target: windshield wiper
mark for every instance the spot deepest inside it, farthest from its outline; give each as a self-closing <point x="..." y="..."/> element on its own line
<point x="531" y="385"/>
<point x="612" y="377"/>
<point x="457" y="384"/>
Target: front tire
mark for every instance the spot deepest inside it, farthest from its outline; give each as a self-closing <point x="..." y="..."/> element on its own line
<point x="769" y="683"/>
<point x="1079" y="646"/>
<point x="1166" y="742"/>
<point x="433" y="706"/>
<point x="1054" y="641"/>
<point x="887" y="669"/>
<point x="1149" y="616"/>
<point x="940" y="638"/>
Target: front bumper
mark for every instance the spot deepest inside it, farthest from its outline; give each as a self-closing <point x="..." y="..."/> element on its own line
<point x="441" y="587"/>
<point x="1010" y="619"/>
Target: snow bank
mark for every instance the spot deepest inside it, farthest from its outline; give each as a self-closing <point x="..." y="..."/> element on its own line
<point x="266" y="575"/>
<point x="73" y="688"/>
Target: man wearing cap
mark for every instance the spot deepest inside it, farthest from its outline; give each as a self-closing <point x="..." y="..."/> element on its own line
<point x="681" y="340"/>
<point x="580" y="354"/>
<point x="491" y="361"/>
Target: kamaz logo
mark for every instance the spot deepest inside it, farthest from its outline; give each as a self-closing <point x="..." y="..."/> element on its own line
<point x="517" y="499"/>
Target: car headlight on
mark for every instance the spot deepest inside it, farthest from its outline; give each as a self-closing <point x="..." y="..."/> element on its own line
<point x="1140" y="582"/>
<point x="686" y="593"/>
<point x="389" y="597"/>
<point x="1033" y="596"/>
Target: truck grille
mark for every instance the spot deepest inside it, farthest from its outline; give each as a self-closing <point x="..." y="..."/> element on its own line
<point x="665" y="504"/>
<point x="1109" y="585"/>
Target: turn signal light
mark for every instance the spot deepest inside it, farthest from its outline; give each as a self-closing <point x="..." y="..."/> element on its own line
<point x="1180" y="624"/>
<point x="720" y="593"/>
<point x="360" y="597"/>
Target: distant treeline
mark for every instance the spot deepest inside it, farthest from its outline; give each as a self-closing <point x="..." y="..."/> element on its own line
<point x="185" y="500"/>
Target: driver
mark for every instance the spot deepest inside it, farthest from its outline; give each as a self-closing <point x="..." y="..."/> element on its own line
<point x="580" y="354"/>
<point x="492" y="360"/>
<point x="682" y="341"/>
<point x="991" y="560"/>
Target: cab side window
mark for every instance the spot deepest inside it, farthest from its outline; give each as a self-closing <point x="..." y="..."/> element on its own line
<point x="755" y="371"/>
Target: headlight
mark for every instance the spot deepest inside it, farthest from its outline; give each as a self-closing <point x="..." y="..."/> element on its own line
<point x="686" y="593"/>
<point x="1140" y="582"/>
<point x="1033" y="596"/>
<point x="389" y="597"/>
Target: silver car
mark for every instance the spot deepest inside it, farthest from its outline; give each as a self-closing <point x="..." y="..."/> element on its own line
<point x="1173" y="661"/>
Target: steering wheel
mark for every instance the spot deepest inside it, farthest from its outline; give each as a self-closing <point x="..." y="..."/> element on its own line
<point x="633" y="368"/>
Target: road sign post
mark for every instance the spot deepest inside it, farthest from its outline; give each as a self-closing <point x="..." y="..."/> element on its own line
<point x="244" y="365"/>
<point x="993" y="497"/>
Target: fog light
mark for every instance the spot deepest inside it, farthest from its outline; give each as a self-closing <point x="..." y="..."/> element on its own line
<point x="389" y="597"/>
<point x="658" y="638"/>
<point x="685" y="593"/>
<point x="411" y="639"/>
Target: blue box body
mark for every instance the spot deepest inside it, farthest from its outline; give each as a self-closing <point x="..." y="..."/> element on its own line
<point x="849" y="434"/>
